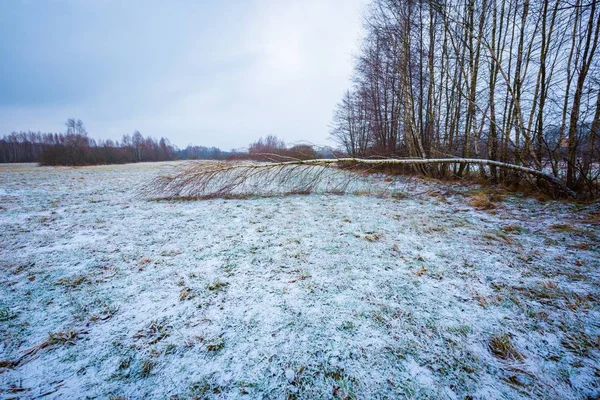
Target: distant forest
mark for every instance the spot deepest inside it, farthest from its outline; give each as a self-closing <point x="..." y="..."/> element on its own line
<point x="75" y="147"/>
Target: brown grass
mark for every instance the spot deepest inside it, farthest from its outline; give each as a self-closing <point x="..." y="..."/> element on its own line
<point x="549" y="285"/>
<point x="563" y="228"/>
<point x="73" y="282"/>
<point x="186" y="294"/>
<point x="63" y="337"/>
<point x="512" y="229"/>
<point x="481" y="299"/>
<point x="502" y="347"/>
<point x="217" y="285"/>
<point x="215" y="346"/>
<point x="439" y="195"/>
<point x="496" y="197"/>
<point x="581" y="246"/>
<point x="592" y="218"/>
<point x="373" y="237"/>
<point x="144" y="260"/>
<point x="154" y="332"/>
<point x="58" y="338"/>
<point x="147" y="367"/>
<point x="580" y="343"/>
<point x="481" y="201"/>
<point x="399" y="195"/>
<point x="421" y="271"/>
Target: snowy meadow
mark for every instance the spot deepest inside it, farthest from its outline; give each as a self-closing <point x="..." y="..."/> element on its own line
<point x="437" y="291"/>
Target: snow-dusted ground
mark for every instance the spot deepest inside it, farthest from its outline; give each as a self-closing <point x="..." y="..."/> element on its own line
<point x="105" y="294"/>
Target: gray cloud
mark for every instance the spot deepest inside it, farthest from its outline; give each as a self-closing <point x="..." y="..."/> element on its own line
<point x="215" y="72"/>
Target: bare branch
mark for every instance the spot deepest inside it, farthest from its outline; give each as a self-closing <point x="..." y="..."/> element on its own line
<point x="201" y="180"/>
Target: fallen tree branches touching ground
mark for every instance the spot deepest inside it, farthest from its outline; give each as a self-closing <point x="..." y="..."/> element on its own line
<point x="203" y="180"/>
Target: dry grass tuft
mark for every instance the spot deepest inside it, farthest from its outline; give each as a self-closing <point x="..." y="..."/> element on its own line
<point x="154" y="332"/>
<point x="547" y="292"/>
<point x="303" y="276"/>
<point x="501" y="346"/>
<point x="438" y="195"/>
<point x="73" y="282"/>
<point x="399" y="195"/>
<point x="481" y="299"/>
<point x="373" y="237"/>
<point x="581" y="246"/>
<point x="144" y="260"/>
<point x="58" y="338"/>
<point x="147" y="367"/>
<point x="512" y="229"/>
<point x="63" y="337"/>
<point x="563" y="228"/>
<point x="482" y="202"/>
<point x="580" y="343"/>
<point x="549" y="285"/>
<point x="186" y="294"/>
<point x="498" y="236"/>
<point x="496" y="197"/>
<point x="217" y="285"/>
<point x="593" y="218"/>
<point x="579" y="302"/>
<point x="215" y="346"/>
<point x="542" y="197"/>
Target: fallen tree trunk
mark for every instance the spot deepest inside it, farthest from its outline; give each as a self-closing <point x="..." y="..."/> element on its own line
<point x="222" y="179"/>
<point x="421" y="161"/>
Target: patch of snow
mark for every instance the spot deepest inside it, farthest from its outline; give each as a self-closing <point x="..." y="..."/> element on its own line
<point x="310" y="296"/>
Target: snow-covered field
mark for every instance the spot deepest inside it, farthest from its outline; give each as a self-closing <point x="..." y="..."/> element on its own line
<point x="106" y="294"/>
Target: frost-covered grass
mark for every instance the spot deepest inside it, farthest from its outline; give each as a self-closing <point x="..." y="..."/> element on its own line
<point x="429" y="293"/>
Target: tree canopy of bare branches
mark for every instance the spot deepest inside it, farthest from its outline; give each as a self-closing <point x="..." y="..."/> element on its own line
<point x="514" y="81"/>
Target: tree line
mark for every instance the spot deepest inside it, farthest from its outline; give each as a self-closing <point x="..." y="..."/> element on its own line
<point x="515" y="81"/>
<point x="76" y="147"/>
<point x="272" y="148"/>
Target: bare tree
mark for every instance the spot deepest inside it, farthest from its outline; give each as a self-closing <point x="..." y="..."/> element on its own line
<point x="509" y="80"/>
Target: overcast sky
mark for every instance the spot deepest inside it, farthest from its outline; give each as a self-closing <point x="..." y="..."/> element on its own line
<point x="213" y="72"/>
